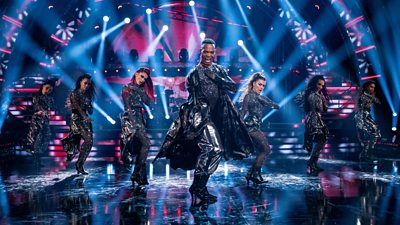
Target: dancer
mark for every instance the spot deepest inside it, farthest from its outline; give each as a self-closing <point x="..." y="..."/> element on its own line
<point x="252" y="107"/>
<point x="367" y="129"/>
<point x="81" y="104"/>
<point x="208" y="126"/>
<point x="39" y="132"/>
<point x="134" y="137"/>
<point x="315" y="102"/>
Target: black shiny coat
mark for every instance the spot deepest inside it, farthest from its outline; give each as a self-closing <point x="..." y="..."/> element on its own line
<point x="207" y="102"/>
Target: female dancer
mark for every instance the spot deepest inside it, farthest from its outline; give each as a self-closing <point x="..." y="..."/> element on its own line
<point x="315" y="101"/>
<point x="39" y="132"/>
<point x="81" y="104"/>
<point x="252" y="108"/>
<point x="367" y="130"/>
<point x="134" y="138"/>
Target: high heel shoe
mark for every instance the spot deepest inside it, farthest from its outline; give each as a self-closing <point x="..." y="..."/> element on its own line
<point x="199" y="200"/>
<point x="254" y="176"/>
<point x="139" y="176"/>
<point x="209" y="197"/>
<point x="80" y="170"/>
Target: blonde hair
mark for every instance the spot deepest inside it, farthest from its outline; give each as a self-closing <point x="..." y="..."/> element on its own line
<point x="249" y="87"/>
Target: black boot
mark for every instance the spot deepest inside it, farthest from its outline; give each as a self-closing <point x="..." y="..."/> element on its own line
<point x="254" y="175"/>
<point x="80" y="170"/>
<point x="135" y="175"/>
<point x="312" y="167"/>
<point x="199" y="192"/>
<point x="81" y="160"/>
<point x="139" y="175"/>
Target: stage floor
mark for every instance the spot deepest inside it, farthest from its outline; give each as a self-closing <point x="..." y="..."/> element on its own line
<point x="48" y="191"/>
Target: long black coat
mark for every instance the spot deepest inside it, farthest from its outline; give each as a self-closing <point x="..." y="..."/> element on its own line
<point x="180" y="144"/>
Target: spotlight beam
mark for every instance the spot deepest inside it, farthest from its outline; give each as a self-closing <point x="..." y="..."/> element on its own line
<point x="150" y="30"/>
<point x="249" y="26"/>
<point x="289" y="97"/>
<point x="10" y="76"/>
<point x="196" y="21"/>
<point x="233" y="32"/>
<point x="163" y="100"/>
<point x="154" y="43"/>
<point x="256" y="64"/>
<point x="103" y="113"/>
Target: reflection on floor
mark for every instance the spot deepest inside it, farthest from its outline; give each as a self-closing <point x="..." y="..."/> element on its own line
<point x="47" y="191"/>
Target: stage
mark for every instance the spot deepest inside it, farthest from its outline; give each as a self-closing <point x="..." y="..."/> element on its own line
<point x="46" y="190"/>
<point x="55" y="43"/>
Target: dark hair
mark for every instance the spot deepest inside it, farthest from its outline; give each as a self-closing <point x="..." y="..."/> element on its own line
<point x="92" y="88"/>
<point x="311" y="87"/>
<point x="50" y="82"/>
<point x="148" y="84"/>
<point x="207" y="41"/>
<point x="366" y="85"/>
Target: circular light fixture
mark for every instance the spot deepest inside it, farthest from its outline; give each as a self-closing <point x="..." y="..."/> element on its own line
<point x="202" y="35"/>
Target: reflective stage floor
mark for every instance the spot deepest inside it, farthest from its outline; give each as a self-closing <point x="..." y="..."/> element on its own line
<point x="48" y="191"/>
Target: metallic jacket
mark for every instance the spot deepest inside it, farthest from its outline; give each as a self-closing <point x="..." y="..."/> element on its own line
<point x="252" y="108"/>
<point x="315" y="128"/>
<point x="366" y="126"/>
<point x="81" y="106"/>
<point x="132" y="120"/>
<point x="39" y="131"/>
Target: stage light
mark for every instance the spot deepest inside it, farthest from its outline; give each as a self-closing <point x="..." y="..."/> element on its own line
<point x="110" y="169"/>
<point x="134" y="55"/>
<point x="394" y="114"/>
<point x="167" y="117"/>
<point x="240" y="42"/>
<point x="149" y="11"/>
<point x="183" y="55"/>
<point x="159" y="55"/>
<point x="394" y="128"/>
<point x="202" y="35"/>
<point x="127" y="20"/>
<point x="165" y="27"/>
<point x="106" y="18"/>
<point x="191" y="3"/>
<point x="110" y="120"/>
